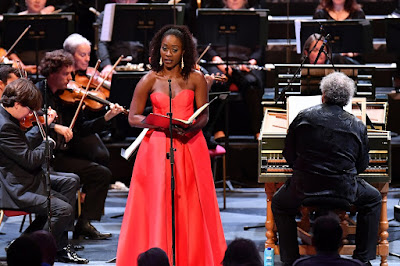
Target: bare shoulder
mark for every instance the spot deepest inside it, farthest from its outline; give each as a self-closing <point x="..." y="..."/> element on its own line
<point x="149" y="77"/>
<point x="196" y="76"/>
<point x="147" y="81"/>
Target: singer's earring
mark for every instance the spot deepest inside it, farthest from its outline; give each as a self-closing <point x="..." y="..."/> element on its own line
<point x="182" y="63"/>
<point x="160" y="61"/>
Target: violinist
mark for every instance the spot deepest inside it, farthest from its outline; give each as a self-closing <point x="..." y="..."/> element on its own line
<point x="21" y="159"/>
<point x="79" y="47"/>
<point x="73" y="154"/>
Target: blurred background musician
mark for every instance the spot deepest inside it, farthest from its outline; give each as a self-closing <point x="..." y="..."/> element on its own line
<point x="109" y="52"/>
<point x="7" y="75"/>
<point x="77" y="156"/>
<point x="341" y="10"/>
<point x="248" y="81"/>
<point x="38" y="6"/>
<point x="311" y="49"/>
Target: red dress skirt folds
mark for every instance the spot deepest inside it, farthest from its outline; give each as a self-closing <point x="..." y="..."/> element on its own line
<point x="147" y="220"/>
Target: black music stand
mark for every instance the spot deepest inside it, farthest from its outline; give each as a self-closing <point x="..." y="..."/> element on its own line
<point x="225" y="27"/>
<point x="123" y="85"/>
<point x="346" y="36"/>
<point x="138" y="22"/>
<point x="47" y="32"/>
<point x="392" y="26"/>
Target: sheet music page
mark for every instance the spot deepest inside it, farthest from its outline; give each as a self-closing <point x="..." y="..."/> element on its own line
<point x="108" y="23"/>
<point x="295" y="104"/>
<point x="297" y="29"/>
<point x="134" y="146"/>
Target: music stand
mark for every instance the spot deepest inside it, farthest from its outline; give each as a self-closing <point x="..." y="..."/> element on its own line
<point x="47" y="32"/>
<point x="392" y="26"/>
<point x="223" y="27"/>
<point x="144" y="21"/>
<point x="123" y="85"/>
<point x="346" y="36"/>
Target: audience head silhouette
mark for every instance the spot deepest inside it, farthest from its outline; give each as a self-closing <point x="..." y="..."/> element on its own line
<point x="153" y="257"/>
<point x="24" y="251"/>
<point x="327" y="233"/>
<point x="47" y="245"/>
<point x="242" y="252"/>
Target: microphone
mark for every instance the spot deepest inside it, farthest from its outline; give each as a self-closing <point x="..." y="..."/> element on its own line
<point x="94" y="11"/>
<point x="322" y="48"/>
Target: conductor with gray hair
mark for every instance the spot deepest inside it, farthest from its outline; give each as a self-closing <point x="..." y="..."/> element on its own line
<point x="327" y="147"/>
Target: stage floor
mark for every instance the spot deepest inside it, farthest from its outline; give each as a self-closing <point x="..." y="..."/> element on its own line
<point x="245" y="207"/>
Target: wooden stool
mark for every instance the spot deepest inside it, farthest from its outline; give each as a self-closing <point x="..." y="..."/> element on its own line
<point x="219" y="152"/>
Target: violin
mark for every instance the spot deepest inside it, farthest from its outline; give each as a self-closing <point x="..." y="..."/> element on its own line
<point x="94" y="100"/>
<point x="83" y="79"/>
<point x="27" y="121"/>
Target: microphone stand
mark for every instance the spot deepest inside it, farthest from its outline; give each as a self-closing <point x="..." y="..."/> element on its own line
<point x="47" y="156"/>
<point x="282" y="94"/>
<point x="171" y="158"/>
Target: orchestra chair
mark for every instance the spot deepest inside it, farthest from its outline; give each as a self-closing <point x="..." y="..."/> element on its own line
<point x="11" y="213"/>
<point x="219" y="153"/>
<point x="316" y="205"/>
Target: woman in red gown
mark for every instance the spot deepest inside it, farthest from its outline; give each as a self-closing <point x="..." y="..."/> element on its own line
<point x="147" y="219"/>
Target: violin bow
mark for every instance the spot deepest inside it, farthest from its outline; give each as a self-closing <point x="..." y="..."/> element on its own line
<point x="83" y="97"/>
<point x="203" y="53"/>
<point x="15" y="43"/>
<point x="108" y="74"/>
<point x="41" y="129"/>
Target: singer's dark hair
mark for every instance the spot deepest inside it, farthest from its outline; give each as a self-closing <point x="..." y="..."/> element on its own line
<point x="184" y="35"/>
<point x="349" y="5"/>
<point x="337" y="88"/>
<point x="308" y="45"/>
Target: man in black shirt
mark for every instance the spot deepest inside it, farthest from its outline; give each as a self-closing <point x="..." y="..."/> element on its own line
<point x="327" y="147"/>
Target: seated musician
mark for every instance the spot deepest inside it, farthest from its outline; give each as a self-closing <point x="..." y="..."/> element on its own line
<point x="71" y="154"/>
<point x="109" y="52"/>
<point x="79" y="47"/>
<point x="327" y="147"/>
<point x="341" y="10"/>
<point x="311" y="49"/>
<point x="31" y="7"/>
<point x="22" y="180"/>
<point x="7" y="75"/>
<point x="248" y="81"/>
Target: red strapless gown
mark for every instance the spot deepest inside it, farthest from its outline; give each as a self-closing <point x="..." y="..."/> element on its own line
<point x="147" y="223"/>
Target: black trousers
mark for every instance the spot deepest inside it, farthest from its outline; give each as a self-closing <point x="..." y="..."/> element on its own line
<point x="285" y="206"/>
<point x="94" y="177"/>
<point x="62" y="200"/>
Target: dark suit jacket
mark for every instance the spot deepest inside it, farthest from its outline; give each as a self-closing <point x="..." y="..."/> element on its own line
<point x="21" y="157"/>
